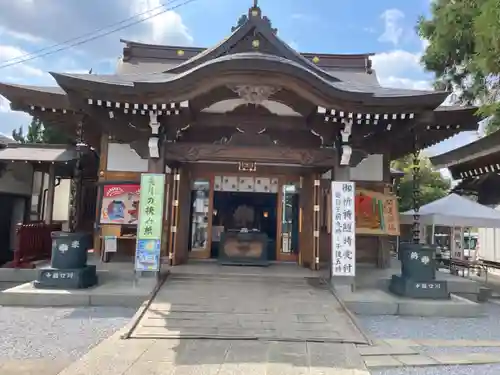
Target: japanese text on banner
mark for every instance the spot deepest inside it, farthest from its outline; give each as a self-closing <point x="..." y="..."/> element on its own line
<point x="151" y="206"/>
<point x="344" y="229"/>
<point x="148" y="247"/>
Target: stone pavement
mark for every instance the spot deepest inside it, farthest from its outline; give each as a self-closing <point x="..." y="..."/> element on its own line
<point x="239" y="307"/>
<point x="217" y="357"/>
<point x="406" y="353"/>
<point x="32" y="366"/>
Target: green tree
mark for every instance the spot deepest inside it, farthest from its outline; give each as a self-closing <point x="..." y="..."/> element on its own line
<point x="39" y="133"/>
<point x="432" y="184"/>
<point x="464" y="52"/>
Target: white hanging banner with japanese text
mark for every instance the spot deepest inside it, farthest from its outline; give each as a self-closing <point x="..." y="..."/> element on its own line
<point x="344" y="229"/>
<point x="457" y="242"/>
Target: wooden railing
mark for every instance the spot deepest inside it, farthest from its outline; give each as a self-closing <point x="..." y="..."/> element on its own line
<point x="33" y="243"/>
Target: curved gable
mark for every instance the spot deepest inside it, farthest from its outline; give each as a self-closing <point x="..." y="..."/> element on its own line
<point x="254" y="35"/>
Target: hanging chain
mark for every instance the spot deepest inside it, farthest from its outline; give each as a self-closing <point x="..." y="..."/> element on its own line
<point x="76" y="181"/>
<point x="416" y="189"/>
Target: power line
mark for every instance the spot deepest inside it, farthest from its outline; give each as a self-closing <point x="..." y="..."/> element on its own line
<point x="95" y="37"/>
<point x="29" y="54"/>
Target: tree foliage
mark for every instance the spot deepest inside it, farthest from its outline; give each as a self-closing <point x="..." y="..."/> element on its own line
<point x="432" y="184"/>
<point x="38" y="133"/>
<point x="464" y="52"/>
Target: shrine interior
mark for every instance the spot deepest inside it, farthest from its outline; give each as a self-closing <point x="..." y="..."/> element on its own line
<point x="254" y="211"/>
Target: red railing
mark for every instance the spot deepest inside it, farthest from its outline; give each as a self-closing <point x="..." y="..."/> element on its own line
<point x="33" y="243"/>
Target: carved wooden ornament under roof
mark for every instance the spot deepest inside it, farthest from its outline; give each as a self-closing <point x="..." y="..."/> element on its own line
<point x="255" y="94"/>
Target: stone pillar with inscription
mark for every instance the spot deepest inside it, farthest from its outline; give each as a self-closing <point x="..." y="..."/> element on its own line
<point x="418" y="263"/>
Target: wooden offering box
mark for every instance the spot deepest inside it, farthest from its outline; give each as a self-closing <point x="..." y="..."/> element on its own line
<point x="243" y="248"/>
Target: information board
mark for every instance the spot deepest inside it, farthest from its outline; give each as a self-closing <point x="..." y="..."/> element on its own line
<point x="343" y="229"/>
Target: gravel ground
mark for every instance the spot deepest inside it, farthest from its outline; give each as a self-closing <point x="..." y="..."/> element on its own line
<point x="397" y="327"/>
<point x="57" y="332"/>
<point x="441" y="370"/>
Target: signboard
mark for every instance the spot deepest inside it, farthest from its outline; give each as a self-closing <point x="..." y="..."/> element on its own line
<point x="149" y="231"/>
<point x="376" y="213"/>
<point x="120" y="204"/>
<point x="343" y="229"/>
<point x="457" y="241"/>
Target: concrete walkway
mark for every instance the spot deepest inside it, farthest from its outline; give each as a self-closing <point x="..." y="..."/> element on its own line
<point x="32" y="366"/>
<point x="217" y="357"/>
<point x="240" y="307"/>
<point x="417" y="353"/>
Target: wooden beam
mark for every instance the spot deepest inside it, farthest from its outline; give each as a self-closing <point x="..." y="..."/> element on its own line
<point x="399" y="129"/>
<point x="193" y="152"/>
<point x="248" y="121"/>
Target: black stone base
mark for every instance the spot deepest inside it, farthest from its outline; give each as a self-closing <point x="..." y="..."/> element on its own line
<point x="432" y="289"/>
<point x="55" y="278"/>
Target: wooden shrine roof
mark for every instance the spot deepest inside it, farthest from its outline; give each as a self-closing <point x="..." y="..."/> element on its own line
<point x="178" y="87"/>
<point x="472" y="160"/>
<point x="41" y="156"/>
<point x="324" y="89"/>
<point x="137" y="51"/>
<point x="38" y="153"/>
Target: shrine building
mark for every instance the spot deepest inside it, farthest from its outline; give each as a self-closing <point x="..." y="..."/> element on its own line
<point x="249" y="134"/>
<point x="476" y="165"/>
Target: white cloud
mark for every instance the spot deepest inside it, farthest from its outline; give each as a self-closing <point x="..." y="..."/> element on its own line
<point x="35" y="27"/>
<point x="14" y="72"/>
<point x="165" y="27"/>
<point x="10" y="53"/>
<point x="393" y="31"/>
<point x="21" y="36"/>
<point x="396" y="62"/>
<point x="405" y="83"/>
<point x="294" y="45"/>
<point x="395" y="67"/>
<point x="24" y="20"/>
<point x="4" y="105"/>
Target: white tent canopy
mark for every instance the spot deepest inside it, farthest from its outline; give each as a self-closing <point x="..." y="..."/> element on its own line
<point x="455" y="211"/>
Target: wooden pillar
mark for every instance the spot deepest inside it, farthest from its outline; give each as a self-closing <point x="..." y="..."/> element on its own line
<point x="183" y="217"/>
<point x="103" y="166"/>
<point x="76" y="183"/>
<point x="316" y="220"/>
<point x="325" y="240"/>
<point x="173" y="217"/>
<point x="384" y="245"/>
<point x="51" y="188"/>
<point x="306" y="221"/>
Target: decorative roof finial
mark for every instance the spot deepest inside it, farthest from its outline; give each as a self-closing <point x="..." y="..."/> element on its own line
<point x="255" y="3"/>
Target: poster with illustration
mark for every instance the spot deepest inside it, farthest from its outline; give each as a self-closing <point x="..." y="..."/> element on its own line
<point x="376" y="213"/>
<point x="120" y="204"/>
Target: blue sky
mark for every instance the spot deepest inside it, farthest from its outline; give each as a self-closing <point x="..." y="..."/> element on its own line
<point x="385" y="27"/>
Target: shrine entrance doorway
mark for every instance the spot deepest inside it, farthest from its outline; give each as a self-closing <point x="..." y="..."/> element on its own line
<point x="241" y="211"/>
<point x="265" y="204"/>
